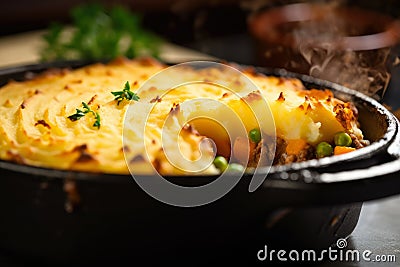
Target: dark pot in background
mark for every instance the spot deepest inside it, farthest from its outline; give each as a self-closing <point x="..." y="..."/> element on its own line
<point x="346" y="45"/>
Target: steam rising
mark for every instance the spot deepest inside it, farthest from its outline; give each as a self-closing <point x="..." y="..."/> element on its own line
<point x="319" y="43"/>
<point x="345" y="45"/>
<point x="364" y="71"/>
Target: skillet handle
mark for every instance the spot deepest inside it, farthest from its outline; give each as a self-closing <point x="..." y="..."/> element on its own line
<point x="338" y="188"/>
<point x="386" y="168"/>
<point x="378" y="181"/>
<point x="319" y="187"/>
<point x="383" y="169"/>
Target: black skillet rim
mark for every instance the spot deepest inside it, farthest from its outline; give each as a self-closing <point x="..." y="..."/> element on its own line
<point x="375" y="148"/>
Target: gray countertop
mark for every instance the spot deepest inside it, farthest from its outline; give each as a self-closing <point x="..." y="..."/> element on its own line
<point x="378" y="230"/>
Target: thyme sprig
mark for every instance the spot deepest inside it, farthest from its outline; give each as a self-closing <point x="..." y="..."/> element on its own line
<point x="81" y="113"/>
<point x="126" y="93"/>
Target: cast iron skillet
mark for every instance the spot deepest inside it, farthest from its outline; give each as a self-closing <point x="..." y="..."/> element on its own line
<point x="309" y="204"/>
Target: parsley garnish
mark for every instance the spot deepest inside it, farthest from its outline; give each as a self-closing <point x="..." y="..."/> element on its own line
<point x="99" y="32"/>
<point x="126" y="93"/>
<point x="86" y="109"/>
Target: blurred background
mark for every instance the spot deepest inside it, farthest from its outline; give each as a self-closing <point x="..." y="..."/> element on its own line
<point x="178" y="20"/>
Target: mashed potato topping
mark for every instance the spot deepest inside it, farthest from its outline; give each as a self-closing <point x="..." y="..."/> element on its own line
<point x="35" y="129"/>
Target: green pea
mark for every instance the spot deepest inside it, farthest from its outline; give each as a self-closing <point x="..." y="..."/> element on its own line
<point x="235" y="167"/>
<point x="324" y="149"/>
<point x="255" y="135"/>
<point x="221" y="163"/>
<point x="342" y="139"/>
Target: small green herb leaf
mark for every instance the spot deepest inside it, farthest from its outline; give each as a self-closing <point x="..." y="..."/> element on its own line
<point x="79" y="114"/>
<point x="126" y="93"/>
<point x="97" y="123"/>
<point x="86" y="107"/>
